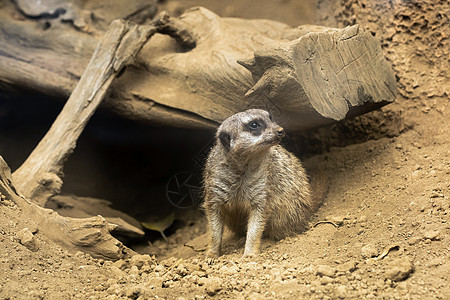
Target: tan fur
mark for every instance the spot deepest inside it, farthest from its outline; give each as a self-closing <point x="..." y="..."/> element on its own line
<point x="252" y="184"/>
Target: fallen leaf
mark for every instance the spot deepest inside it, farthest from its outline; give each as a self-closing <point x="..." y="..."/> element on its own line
<point x="160" y="225"/>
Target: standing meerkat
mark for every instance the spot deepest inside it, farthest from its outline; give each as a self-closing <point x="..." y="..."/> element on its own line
<point x="252" y="184"/>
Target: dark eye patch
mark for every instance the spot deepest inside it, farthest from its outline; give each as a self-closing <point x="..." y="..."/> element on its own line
<point x="225" y="139"/>
<point x="255" y="127"/>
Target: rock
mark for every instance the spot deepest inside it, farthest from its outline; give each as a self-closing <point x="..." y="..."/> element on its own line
<point x="28" y="239"/>
<point x="113" y="289"/>
<point x="159" y="268"/>
<point x="116" y="271"/>
<point x="181" y="270"/>
<point x="415" y="174"/>
<point x="169" y="262"/>
<point x="324" y="270"/>
<point x="228" y="271"/>
<point x="202" y="281"/>
<point x="212" y="285"/>
<point x="326" y="280"/>
<point x="199" y="273"/>
<point x="369" y="251"/>
<point x="349" y="266"/>
<point x="120" y="264"/>
<point x="167" y="283"/>
<point x="362" y="219"/>
<point x="133" y="292"/>
<point x="134" y="271"/>
<point x="417" y="145"/>
<point x="141" y="260"/>
<point x="341" y="292"/>
<point x="433" y="235"/>
<point x="399" y="269"/>
<point x="414" y="240"/>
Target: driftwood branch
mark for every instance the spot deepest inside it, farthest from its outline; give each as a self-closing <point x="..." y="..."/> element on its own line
<point x="40" y="176"/>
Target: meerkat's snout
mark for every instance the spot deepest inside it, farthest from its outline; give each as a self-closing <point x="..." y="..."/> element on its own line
<point x="280" y="132"/>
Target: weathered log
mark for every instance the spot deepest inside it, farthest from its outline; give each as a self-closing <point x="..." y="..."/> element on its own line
<point x="90" y="235"/>
<point x="40" y="176"/>
<point x="312" y="75"/>
<point x="322" y="77"/>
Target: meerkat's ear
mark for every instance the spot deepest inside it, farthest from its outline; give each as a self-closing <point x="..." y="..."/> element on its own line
<point x="225" y="139"/>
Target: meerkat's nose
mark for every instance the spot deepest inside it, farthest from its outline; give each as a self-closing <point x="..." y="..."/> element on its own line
<point x="280" y="131"/>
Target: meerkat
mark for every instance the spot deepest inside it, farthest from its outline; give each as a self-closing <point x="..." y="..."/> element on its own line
<point x="252" y="184"/>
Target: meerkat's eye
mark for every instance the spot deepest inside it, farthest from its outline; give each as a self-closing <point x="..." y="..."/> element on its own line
<point x="254" y="125"/>
<point x="270" y="117"/>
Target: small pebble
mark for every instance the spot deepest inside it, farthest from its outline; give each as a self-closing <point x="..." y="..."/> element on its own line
<point x="140" y="260"/>
<point x="414" y="240"/>
<point x="324" y="270"/>
<point x="116" y="271"/>
<point x="341" y="292"/>
<point x="326" y="280"/>
<point x="159" y="268"/>
<point x="28" y="239"/>
<point x="369" y="251"/>
<point x="433" y="235"/>
<point x="133" y="292"/>
<point x="399" y="269"/>
<point x="349" y="266"/>
<point x="134" y="271"/>
<point x="212" y="285"/>
<point x="417" y="145"/>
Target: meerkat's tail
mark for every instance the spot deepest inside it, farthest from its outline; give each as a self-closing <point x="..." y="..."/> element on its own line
<point x="320" y="185"/>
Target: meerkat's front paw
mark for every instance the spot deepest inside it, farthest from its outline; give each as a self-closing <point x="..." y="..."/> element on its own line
<point x="211" y="256"/>
<point x="210" y="260"/>
<point x="250" y="254"/>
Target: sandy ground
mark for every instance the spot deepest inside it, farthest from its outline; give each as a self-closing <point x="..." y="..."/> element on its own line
<point x="382" y="232"/>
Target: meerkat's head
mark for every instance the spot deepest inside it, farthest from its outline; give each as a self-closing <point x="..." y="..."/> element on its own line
<point x="248" y="132"/>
